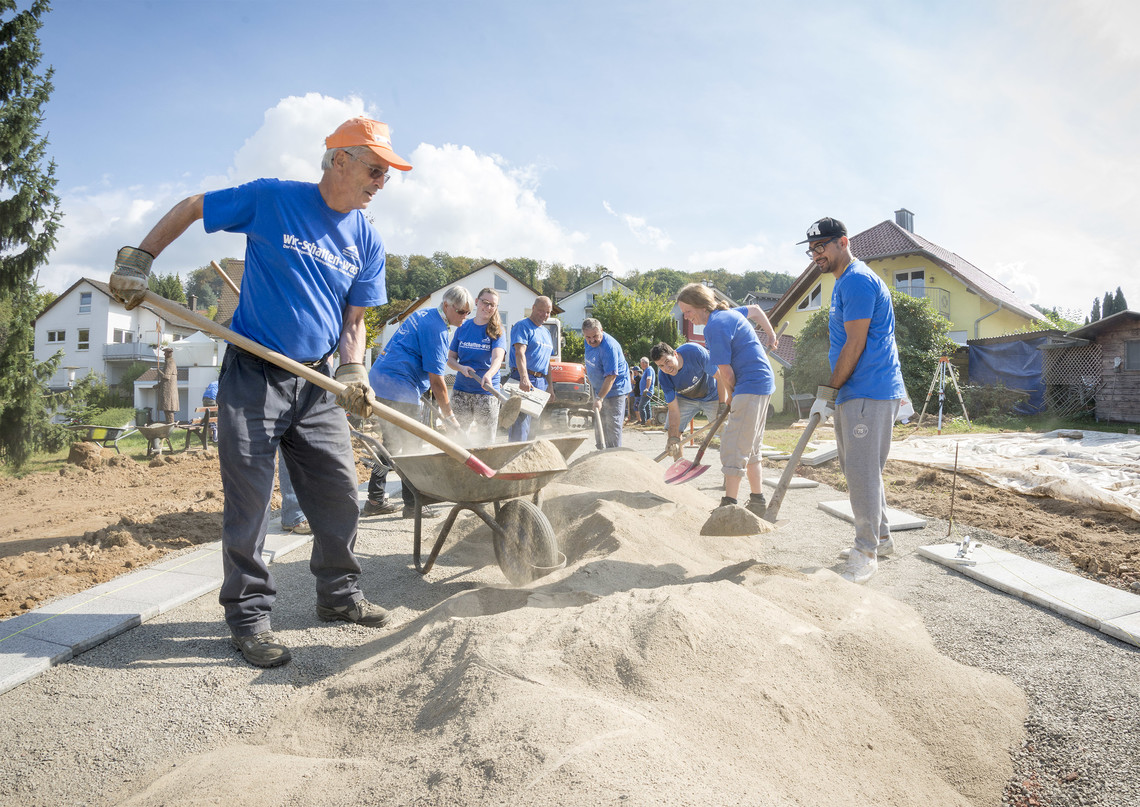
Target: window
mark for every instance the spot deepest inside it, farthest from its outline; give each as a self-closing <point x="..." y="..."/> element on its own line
<point x="812" y="301"/>
<point x="912" y="282"/>
<point x="56" y="337"/>
<point x="1132" y="354"/>
<point x="123" y="337"/>
<point x="500" y="283"/>
<point x="84" y="339"/>
<point x="84" y="302"/>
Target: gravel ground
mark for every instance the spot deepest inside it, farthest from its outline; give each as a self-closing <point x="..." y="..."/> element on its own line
<point x="87" y="732"/>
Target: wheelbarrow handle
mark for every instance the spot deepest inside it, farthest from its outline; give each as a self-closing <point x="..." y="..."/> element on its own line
<point x="311" y="375"/>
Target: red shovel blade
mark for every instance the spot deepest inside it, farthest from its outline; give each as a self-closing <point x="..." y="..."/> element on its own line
<point x="683" y="471"/>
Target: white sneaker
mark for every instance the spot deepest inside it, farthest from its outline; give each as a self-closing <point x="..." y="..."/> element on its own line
<point x="860" y="568"/>
<point x="886" y="547"/>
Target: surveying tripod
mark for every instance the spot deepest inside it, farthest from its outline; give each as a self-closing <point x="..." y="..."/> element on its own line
<point x="941" y="373"/>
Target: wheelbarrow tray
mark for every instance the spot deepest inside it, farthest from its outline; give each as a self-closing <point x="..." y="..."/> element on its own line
<point x="439" y="476"/>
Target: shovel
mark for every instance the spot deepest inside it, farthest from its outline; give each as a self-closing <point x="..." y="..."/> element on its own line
<point x="789" y="471"/>
<point x="421" y="431"/>
<point x="698" y="434"/>
<point x="682" y="470"/>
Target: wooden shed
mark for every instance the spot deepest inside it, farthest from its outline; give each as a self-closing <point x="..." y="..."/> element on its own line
<point x="1115" y="343"/>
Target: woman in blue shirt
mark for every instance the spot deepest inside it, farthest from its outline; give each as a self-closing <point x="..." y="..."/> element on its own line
<point x="745" y="381"/>
<point x="476" y="353"/>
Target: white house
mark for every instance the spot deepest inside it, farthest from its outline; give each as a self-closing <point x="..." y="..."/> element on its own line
<point x="515" y="298"/>
<point x="579" y="306"/>
<point x="97" y="334"/>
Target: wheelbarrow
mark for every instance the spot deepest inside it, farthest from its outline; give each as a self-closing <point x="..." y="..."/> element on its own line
<point x="155" y="433"/>
<point x="525" y="545"/>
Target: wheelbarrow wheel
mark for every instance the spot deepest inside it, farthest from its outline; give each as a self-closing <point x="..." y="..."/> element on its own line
<point x="525" y="546"/>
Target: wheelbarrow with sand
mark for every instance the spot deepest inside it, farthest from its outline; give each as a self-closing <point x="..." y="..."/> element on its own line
<point x="524" y="541"/>
<point x="527" y="463"/>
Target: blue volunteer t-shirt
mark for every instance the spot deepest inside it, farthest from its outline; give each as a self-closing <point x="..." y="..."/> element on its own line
<point x="861" y="294"/>
<point x="211" y="391"/>
<point x="695" y="380"/>
<point x="474" y="348"/>
<point x="538" y="347"/>
<point x="607" y="359"/>
<point x="304" y="262"/>
<point x="418" y="348"/>
<point x="647" y="376"/>
<point x="731" y="339"/>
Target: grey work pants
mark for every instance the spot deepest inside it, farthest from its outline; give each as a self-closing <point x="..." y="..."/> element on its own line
<point x="611" y="416"/>
<point x="863" y="439"/>
<point x="262" y="408"/>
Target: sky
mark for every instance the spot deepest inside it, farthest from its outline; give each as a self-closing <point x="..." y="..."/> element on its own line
<point x="634" y="134"/>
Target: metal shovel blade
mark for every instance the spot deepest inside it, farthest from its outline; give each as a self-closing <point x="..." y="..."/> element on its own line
<point x="683" y="471"/>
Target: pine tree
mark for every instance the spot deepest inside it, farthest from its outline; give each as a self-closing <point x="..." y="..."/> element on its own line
<point x="29" y="218"/>
<point x="1096" y="310"/>
<point x="1118" y="302"/>
<point x="1106" y="305"/>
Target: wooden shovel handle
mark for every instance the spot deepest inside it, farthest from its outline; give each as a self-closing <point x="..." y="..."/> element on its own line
<point x="426" y="434"/>
<point x="773" y="510"/>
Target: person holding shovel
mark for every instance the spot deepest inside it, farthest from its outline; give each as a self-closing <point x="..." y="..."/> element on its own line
<point x="864" y="390"/>
<point x="745" y="383"/>
<point x="608" y="372"/>
<point x="414" y="362"/>
<point x="476" y="353"/>
<point x="313" y="264"/>
<point x="688" y="386"/>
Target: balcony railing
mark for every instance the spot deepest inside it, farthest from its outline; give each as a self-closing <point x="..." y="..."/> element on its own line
<point x="939" y="298"/>
<point x="129" y="351"/>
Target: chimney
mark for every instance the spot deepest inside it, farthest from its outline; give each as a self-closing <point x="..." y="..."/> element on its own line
<point x="905" y="219"/>
<point x="193" y="302"/>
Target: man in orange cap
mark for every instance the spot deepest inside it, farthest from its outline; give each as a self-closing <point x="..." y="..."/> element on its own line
<point x="313" y="264"/>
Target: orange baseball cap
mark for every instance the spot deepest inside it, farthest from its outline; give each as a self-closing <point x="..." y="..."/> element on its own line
<point x="369" y="133"/>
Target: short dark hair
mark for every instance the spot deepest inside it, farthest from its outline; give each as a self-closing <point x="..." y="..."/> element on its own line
<point x="660" y="351"/>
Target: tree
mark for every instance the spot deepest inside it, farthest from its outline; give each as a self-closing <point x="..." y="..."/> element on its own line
<point x="1118" y="302"/>
<point x="1106" y="309"/>
<point x="29" y="218"/>
<point x="168" y="286"/>
<point x="637" y="322"/>
<point x="205" y="284"/>
<point x="1095" y="315"/>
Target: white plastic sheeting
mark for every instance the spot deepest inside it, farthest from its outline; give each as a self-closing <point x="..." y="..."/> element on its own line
<point x="1099" y="469"/>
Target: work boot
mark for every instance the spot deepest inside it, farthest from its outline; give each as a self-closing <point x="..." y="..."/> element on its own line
<point x="301" y="528"/>
<point x="886" y="547"/>
<point x="383" y="508"/>
<point x="860" y="567"/>
<point x="425" y="512"/>
<point x="757" y="504"/>
<point x="361" y="612"/>
<point x="262" y="649"/>
<point x="725" y="501"/>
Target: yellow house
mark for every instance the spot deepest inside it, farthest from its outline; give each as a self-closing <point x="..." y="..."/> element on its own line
<point x="977" y="305"/>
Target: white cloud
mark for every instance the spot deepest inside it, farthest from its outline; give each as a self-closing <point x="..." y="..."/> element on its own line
<point x="748" y="258"/>
<point x="454" y="200"/>
<point x="644" y="232"/>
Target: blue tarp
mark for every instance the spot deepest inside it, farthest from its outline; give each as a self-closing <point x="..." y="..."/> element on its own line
<point x="1017" y="365"/>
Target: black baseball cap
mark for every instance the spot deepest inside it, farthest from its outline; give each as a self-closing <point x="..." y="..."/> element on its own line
<point x="826" y="227"/>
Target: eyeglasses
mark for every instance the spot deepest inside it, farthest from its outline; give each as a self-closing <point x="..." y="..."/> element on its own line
<point x="817" y="249"/>
<point x="461" y="311"/>
<point x="375" y="171"/>
<point x="488" y="303"/>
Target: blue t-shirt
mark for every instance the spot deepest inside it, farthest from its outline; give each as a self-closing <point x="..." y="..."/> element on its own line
<point x="538" y="347"/>
<point x="211" y="391"/>
<point x="695" y="380"/>
<point x="647" y="376"/>
<point x="607" y="359"/>
<point x="418" y="348"/>
<point x="474" y="348"/>
<point x="731" y="339"/>
<point x="304" y="262"/>
<point x="861" y="294"/>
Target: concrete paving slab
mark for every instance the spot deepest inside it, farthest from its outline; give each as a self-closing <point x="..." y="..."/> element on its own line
<point x="160" y="589"/>
<point x="206" y="561"/>
<point x="82" y="622"/>
<point x="1101" y="607"/>
<point x="23" y="658"/>
<point x="796" y="482"/>
<point x="816" y="453"/>
<point x="897" y="519"/>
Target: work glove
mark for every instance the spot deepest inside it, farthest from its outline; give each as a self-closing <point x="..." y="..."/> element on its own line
<point x="450" y="425"/>
<point x="357" y="397"/>
<point x="673" y="448"/>
<point x="824" y="402"/>
<point x="129" y="280"/>
<point x="721" y="408"/>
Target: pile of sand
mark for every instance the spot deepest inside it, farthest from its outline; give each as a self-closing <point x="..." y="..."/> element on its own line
<point x="660" y="667"/>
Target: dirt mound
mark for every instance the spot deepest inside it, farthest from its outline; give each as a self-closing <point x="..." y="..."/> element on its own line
<point x="661" y="668"/>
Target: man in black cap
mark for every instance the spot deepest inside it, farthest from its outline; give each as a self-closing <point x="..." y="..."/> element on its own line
<point x="864" y="390"/>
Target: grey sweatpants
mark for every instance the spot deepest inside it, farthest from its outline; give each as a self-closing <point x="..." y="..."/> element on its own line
<point x="863" y="438"/>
